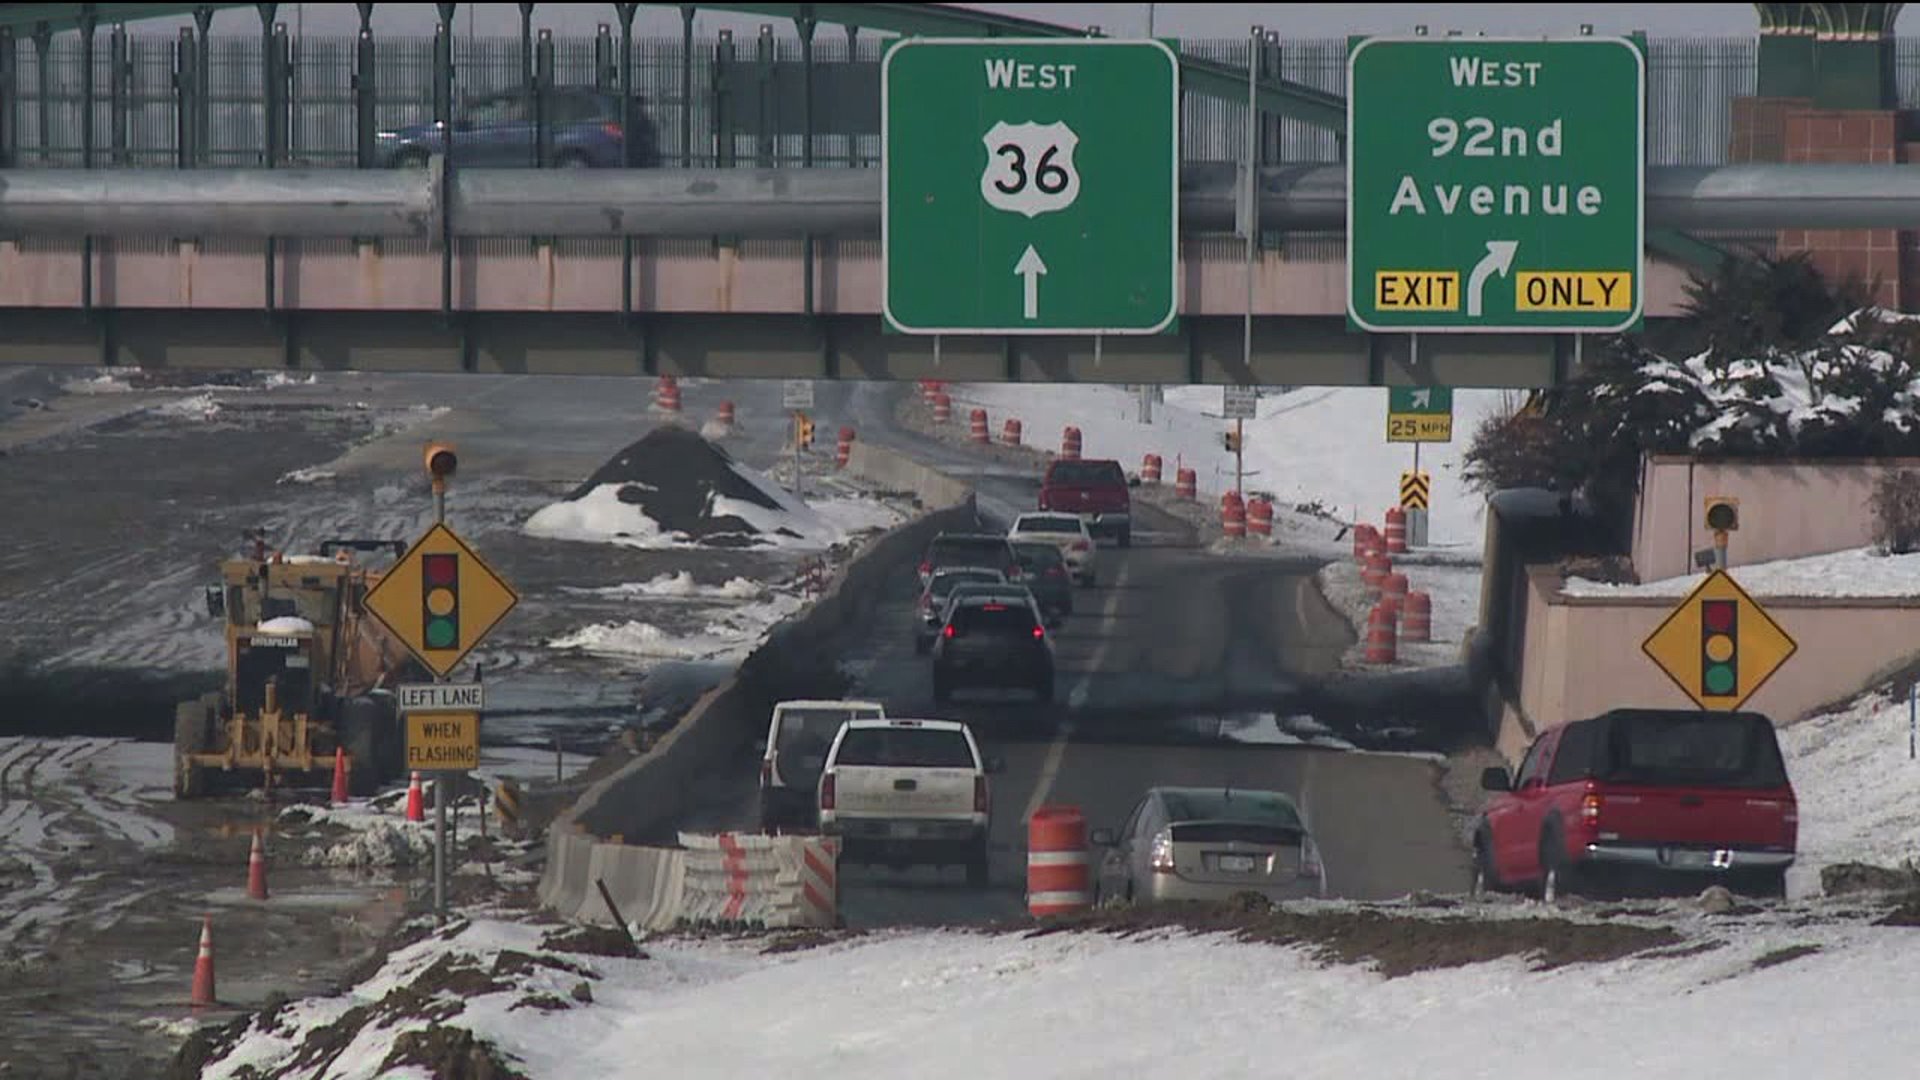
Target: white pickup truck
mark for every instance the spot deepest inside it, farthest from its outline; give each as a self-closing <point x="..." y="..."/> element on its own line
<point x="908" y="791"/>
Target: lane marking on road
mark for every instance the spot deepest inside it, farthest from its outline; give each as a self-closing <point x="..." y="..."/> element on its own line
<point x="1057" y="749"/>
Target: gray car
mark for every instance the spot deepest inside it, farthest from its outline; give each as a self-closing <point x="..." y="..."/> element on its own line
<point x="1210" y="844"/>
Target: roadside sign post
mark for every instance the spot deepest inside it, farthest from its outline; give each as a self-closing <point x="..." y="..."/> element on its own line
<point x="1415" y="490"/>
<point x="1510" y="198"/>
<point x="1418" y="414"/>
<point x="440" y="600"/>
<point x="1029" y="186"/>
<point x="796" y="396"/>
<point x="1239" y="404"/>
<point x="1719" y="645"/>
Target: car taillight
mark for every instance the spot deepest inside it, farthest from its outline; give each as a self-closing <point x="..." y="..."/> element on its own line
<point x="1590" y="810"/>
<point x="611" y="130"/>
<point x="1081" y="545"/>
<point x="766" y="773"/>
<point x="947" y="630"/>
<point x="1039" y="631"/>
<point x="926" y="568"/>
<point x="1056" y="571"/>
<point x="1163" y="852"/>
<point x="979" y="794"/>
<point x="826" y="791"/>
<point x="1309" y="860"/>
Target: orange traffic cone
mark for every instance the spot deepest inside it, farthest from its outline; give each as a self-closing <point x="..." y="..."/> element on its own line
<point x="339" y="777"/>
<point x="203" y="966"/>
<point x="416" y="808"/>
<point x="257" y="870"/>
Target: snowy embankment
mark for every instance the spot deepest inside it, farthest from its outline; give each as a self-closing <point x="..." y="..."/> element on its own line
<point x="938" y="1004"/>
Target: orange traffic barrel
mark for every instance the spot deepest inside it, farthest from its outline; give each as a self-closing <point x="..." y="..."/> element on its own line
<point x="844" y="448"/>
<point x="1233" y="515"/>
<point x="1259" y="516"/>
<point x="977" y="425"/>
<point x="725" y="414"/>
<point x="1396" y="530"/>
<point x="1417" y="617"/>
<point x="1070" y="443"/>
<point x="1010" y="433"/>
<point x="1394" y="587"/>
<point x="1150" y="469"/>
<point x="1381" y="644"/>
<point x="942" y="408"/>
<point x="1186" y="484"/>
<point x="1059" y="871"/>
<point x="1363" y="541"/>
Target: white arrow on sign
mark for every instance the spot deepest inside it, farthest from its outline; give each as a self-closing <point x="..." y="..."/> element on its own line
<point x="1029" y="269"/>
<point x="1423" y="399"/>
<point x="1498" y="261"/>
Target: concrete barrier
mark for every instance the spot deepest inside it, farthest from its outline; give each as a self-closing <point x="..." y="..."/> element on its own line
<point x="644" y="796"/>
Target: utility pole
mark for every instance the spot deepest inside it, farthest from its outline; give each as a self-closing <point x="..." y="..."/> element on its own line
<point x="1239" y="457"/>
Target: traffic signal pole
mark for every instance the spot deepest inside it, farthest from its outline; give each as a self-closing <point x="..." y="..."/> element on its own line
<point x="1239" y="456"/>
<point x="440" y="778"/>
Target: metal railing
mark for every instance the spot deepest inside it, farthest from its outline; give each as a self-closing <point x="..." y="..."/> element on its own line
<point x="147" y="96"/>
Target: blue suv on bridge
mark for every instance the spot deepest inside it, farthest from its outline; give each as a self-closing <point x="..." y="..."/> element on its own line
<point x="499" y="132"/>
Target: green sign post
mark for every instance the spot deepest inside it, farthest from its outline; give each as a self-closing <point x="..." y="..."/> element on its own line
<point x="1030" y="186"/>
<point x="1495" y="184"/>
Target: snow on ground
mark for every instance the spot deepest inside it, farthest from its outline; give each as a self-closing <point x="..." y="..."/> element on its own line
<point x="1858" y="572"/>
<point x="601" y="517"/>
<point x="1855" y="783"/>
<point x="734" y="634"/>
<point x="1314" y="444"/>
<point x="680" y="586"/>
<point x="200" y="406"/>
<point x="941" y="1004"/>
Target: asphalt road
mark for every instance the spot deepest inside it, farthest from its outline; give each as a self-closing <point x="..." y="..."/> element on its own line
<point x="1169" y="672"/>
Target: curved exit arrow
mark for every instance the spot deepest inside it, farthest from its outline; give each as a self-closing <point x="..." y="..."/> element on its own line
<point x="1498" y="261"/>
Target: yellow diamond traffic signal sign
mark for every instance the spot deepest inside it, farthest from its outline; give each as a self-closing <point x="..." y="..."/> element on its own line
<point x="1719" y="645"/>
<point x="440" y="599"/>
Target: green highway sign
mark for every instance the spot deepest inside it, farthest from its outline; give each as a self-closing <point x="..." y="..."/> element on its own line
<point x="1495" y="184"/>
<point x="1030" y="186"/>
<point x="1420" y="414"/>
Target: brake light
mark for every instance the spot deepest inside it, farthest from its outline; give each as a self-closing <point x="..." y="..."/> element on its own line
<point x="947" y="630"/>
<point x="826" y="791"/>
<point x="1590" y="810"/>
<point x="1309" y="860"/>
<point x="979" y="794"/>
<point x="766" y="773"/>
<point x="1056" y="571"/>
<point x="993" y="607"/>
<point x="926" y="568"/>
<point x="611" y="130"/>
<point x="1163" y="852"/>
<point x="1039" y="632"/>
<point x="1080" y="545"/>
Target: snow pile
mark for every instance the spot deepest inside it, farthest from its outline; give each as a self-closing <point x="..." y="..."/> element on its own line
<point x="375" y="843"/>
<point x="1322" y="445"/>
<point x="676" y="489"/>
<point x="738" y="632"/>
<point x="1081" y="1004"/>
<point x="1855" y="783"/>
<point x="680" y="586"/>
<point x="1856" y="573"/>
<point x="285" y="624"/>
<point x="200" y="406"/>
<point x="281" y="378"/>
<point x="312" y="474"/>
<point x="107" y="383"/>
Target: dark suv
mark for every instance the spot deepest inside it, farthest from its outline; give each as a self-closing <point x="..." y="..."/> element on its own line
<point x="990" y="550"/>
<point x="1656" y="797"/>
<point x="583" y="124"/>
<point x="993" y="641"/>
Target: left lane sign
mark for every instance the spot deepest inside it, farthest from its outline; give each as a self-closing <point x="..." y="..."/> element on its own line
<point x="442" y="697"/>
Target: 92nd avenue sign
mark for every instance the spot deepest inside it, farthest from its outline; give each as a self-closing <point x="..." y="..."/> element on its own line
<point x="1495" y="184"/>
<point x="1029" y="186"/>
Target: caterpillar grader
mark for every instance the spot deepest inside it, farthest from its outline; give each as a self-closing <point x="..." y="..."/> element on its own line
<point x="309" y="671"/>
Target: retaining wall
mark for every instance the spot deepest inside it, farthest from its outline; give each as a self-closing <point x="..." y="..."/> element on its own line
<point x="590" y="839"/>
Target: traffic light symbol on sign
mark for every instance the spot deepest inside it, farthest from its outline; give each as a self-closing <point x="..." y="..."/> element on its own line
<point x="1719" y="648"/>
<point x="440" y="600"/>
<point x="1231" y="440"/>
<point x="804" y="434"/>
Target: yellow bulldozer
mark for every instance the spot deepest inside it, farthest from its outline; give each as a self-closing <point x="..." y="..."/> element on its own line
<point x="308" y="672"/>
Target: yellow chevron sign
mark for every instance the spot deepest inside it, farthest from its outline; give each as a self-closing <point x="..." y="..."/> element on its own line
<point x="1414" y="490"/>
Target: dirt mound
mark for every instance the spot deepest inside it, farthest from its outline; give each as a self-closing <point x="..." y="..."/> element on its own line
<point x="1395" y="944"/>
<point x="675" y="476"/>
<point x="1841" y="879"/>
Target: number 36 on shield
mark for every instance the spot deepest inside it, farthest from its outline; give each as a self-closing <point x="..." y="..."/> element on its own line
<point x="1030" y="168"/>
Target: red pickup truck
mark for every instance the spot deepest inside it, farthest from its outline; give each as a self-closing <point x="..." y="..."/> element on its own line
<point x="1652" y="797"/>
<point x="1094" y="489"/>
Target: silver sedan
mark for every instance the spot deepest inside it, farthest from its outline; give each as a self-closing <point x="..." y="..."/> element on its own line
<point x="1209" y="844"/>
